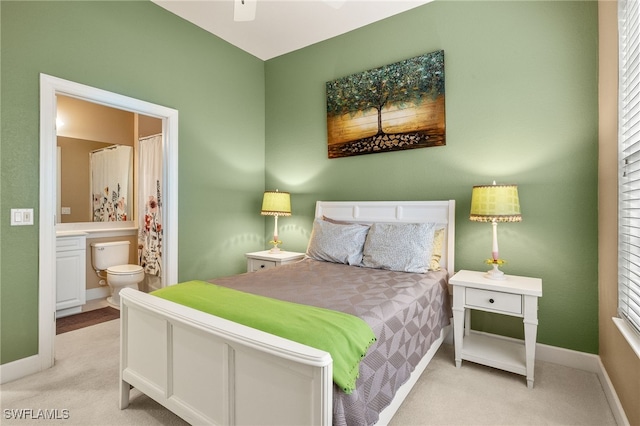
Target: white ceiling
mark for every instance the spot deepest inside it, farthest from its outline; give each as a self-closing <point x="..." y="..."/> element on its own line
<point x="282" y="26"/>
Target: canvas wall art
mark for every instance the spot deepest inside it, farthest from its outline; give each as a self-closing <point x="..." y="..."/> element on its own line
<point x="390" y="108"/>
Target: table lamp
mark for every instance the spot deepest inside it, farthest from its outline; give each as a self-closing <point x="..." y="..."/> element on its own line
<point x="495" y="203"/>
<point x="275" y="203"/>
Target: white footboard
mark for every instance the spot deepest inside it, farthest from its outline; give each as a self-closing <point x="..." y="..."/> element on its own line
<point x="209" y="370"/>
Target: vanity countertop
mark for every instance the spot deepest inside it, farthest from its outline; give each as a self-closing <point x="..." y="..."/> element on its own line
<point x="95" y="230"/>
<point x="71" y="233"/>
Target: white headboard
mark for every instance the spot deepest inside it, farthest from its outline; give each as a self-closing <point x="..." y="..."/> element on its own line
<point x="398" y="211"/>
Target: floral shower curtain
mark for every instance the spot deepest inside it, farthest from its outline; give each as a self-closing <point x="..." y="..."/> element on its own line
<point x="150" y="202"/>
<point x="111" y="183"/>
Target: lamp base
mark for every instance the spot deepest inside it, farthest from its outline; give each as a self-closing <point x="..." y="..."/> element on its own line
<point x="495" y="274"/>
<point x="275" y="249"/>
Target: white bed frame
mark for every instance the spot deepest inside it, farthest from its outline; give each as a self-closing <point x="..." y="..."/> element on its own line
<point x="209" y="370"/>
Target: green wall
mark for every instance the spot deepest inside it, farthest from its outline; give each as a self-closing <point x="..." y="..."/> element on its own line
<point x="521" y="107"/>
<point x="140" y="50"/>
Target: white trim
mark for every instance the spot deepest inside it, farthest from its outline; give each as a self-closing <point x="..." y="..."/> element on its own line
<point x="47" y="252"/>
<point x="628" y="163"/>
<point x="20" y="368"/>
<point x="98" y="293"/>
<point x="49" y="87"/>
<point x="567" y="357"/>
<point x="612" y="396"/>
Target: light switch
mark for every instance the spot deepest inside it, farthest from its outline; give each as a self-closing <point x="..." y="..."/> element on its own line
<point x="21" y="217"/>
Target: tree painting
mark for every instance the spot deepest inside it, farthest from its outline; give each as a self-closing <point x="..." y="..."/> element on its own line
<point x="394" y="107"/>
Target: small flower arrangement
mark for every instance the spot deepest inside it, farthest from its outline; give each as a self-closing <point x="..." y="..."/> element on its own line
<point x="498" y="262"/>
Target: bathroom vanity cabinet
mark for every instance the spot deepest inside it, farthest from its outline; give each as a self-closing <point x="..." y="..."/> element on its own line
<point x="71" y="278"/>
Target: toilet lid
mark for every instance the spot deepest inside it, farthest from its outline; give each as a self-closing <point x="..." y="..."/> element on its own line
<point x="124" y="269"/>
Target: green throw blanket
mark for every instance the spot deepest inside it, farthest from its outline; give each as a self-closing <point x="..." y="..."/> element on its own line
<point x="346" y="337"/>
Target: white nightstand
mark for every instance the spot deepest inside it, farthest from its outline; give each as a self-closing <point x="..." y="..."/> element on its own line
<point x="515" y="296"/>
<point x="259" y="260"/>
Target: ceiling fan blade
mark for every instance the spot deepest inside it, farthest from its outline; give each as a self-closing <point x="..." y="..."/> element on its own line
<point x="244" y="10"/>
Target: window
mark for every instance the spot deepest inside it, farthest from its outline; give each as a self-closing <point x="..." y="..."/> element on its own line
<point x="629" y="170"/>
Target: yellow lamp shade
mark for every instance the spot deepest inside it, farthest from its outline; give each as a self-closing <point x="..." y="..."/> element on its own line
<point x="275" y="203"/>
<point x="495" y="203"/>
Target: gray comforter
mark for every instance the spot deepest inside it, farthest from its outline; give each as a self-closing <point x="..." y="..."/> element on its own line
<point x="406" y="312"/>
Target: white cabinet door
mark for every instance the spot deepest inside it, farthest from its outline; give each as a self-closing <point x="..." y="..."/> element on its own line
<point x="70" y="276"/>
<point x="70" y="279"/>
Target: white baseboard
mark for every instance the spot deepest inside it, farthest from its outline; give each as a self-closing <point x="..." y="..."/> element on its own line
<point x="20" y="368"/>
<point x="568" y="357"/>
<point x="98" y="293"/>
<point x="612" y="396"/>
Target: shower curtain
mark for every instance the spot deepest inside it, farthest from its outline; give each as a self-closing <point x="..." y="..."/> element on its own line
<point x="111" y="183"/>
<point x="150" y="202"/>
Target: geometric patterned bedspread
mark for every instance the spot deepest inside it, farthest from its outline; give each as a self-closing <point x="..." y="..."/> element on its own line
<point x="406" y="312"/>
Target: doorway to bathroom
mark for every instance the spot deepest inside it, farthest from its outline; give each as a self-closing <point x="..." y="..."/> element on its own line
<point x="110" y="170"/>
<point x="51" y="88"/>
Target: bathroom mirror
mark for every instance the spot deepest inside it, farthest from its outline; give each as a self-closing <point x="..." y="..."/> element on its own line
<point x="85" y="167"/>
<point x="97" y="153"/>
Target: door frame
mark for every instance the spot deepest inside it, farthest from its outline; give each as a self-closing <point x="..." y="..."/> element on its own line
<point x="50" y="87"/>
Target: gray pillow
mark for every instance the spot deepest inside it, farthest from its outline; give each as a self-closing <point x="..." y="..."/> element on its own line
<point x="337" y="243"/>
<point x="404" y="247"/>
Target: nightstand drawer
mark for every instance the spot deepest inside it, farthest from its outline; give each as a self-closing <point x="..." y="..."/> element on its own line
<point x="260" y="260"/>
<point x="494" y="300"/>
<point x="259" y="264"/>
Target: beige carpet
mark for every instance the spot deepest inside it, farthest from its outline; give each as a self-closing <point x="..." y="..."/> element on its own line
<point x="84" y="382"/>
<point x="479" y="395"/>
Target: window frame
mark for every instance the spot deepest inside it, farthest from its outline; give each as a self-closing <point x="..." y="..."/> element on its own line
<point x="629" y="172"/>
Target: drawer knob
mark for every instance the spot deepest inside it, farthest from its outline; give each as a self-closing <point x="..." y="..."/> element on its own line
<point x="262" y="266"/>
<point x="491" y="300"/>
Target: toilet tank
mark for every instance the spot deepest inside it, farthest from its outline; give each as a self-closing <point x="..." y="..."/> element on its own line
<point x="106" y="255"/>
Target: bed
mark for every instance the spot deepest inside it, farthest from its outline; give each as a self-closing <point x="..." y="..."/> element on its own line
<point x="210" y="370"/>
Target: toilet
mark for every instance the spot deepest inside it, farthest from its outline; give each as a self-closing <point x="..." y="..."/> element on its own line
<point x="113" y="257"/>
